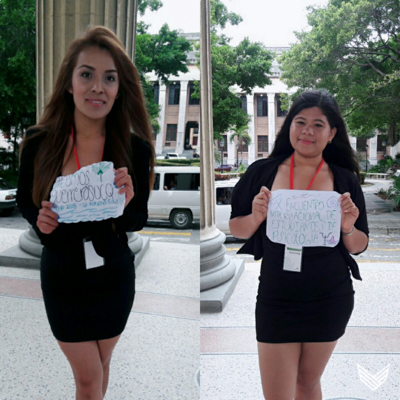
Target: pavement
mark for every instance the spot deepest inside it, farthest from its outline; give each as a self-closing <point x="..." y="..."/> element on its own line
<point x="157" y="356"/>
<point x="366" y="362"/>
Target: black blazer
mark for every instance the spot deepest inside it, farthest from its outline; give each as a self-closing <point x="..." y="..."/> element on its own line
<point x="262" y="173"/>
<point x="134" y="216"/>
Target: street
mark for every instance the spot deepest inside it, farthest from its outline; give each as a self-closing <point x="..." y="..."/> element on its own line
<point x="382" y="248"/>
<point x="157" y="231"/>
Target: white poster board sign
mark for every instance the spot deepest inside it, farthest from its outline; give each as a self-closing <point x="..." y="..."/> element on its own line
<point x="89" y="194"/>
<point x="304" y="218"/>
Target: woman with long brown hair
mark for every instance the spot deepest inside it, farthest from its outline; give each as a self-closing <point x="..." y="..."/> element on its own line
<point x="96" y="113"/>
<point x="304" y="303"/>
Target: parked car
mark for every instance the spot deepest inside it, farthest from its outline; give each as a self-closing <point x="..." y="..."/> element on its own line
<point x="176" y="196"/>
<point x="8" y="195"/>
<point x="174" y="156"/>
<point x="224" y="167"/>
<point x="223" y="197"/>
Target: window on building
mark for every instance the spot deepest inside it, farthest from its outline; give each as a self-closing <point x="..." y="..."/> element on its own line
<point x="361" y="144"/>
<point x="171" y="132"/>
<point x="281" y="113"/>
<point x="156" y="91"/>
<point x="243" y="99"/>
<point x="262" y="106"/>
<point x="262" y="143"/>
<point x="174" y="93"/>
<point x="243" y="147"/>
<point x="192" y="101"/>
<point x="381" y="143"/>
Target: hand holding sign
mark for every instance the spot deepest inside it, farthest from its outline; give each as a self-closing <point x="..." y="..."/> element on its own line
<point x="350" y="212"/>
<point x="124" y="181"/>
<point x="47" y="219"/>
<point x="260" y="205"/>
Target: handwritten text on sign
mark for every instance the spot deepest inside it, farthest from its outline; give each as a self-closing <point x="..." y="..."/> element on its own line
<point x="304" y="218"/>
<point x="87" y="195"/>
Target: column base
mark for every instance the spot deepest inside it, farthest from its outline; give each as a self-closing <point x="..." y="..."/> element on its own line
<point x="17" y="257"/>
<point x="214" y="300"/>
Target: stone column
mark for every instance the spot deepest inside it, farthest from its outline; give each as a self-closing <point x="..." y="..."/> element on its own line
<point x="231" y="149"/>
<point x="218" y="273"/>
<point x="161" y="119"/>
<point x="183" y="100"/>
<point x="353" y="142"/>
<point x="373" y="146"/>
<point x="57" y="24"/>
<point x="250" y="111"/>
<point x="271" y="122"/>
<point x="60" y="22"/>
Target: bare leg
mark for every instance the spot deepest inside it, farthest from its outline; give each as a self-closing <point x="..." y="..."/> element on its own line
<point x="278" y="367"/>
<point x="313" y="360"/>
<point x="106" y="348"/>
<point x="85" y="361"/>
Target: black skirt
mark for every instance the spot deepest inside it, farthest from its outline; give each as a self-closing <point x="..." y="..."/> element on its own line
<point x="87" y="304"/>
<point x="313" y="305"/>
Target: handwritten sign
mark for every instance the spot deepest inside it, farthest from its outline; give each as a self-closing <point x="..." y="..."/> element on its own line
<point x="89" y="194"/>
<point x="304" y="218"/>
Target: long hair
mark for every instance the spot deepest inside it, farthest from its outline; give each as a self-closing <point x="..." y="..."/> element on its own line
<point x="338" y="152"/>
<point x="127" y="115"/>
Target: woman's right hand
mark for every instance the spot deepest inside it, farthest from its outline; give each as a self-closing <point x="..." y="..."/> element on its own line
<point x="260" y="205"/>
<point x="47" y="219"/>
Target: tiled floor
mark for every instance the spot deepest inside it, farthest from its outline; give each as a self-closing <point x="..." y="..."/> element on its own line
<point x="229" y="361"/>
<point x="156" y="358"/>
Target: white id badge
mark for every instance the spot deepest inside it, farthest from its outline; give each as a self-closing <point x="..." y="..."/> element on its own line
<point x="92" y="259"/>
<point x="292" y="259"/>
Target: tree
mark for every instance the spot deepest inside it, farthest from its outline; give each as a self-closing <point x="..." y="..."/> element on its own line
<point x="242" y="137"/>
<point x="17" y="72"/>
<point x="165" y="53"/>
<point x="234" y="70"/>
<point x="153" y="5"/>
<point x="353" y="50"/>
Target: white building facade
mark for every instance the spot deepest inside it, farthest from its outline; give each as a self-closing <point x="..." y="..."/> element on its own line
<point x="266" y="119"/>
<point x="179" y="115"/>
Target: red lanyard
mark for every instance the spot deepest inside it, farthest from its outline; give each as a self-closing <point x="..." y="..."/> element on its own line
<point x="76" y="153"/>
<point x="291" y="173"/>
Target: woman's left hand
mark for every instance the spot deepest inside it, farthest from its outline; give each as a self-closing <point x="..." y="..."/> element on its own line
<point x="350" y="212"/>
<point x="124" y="182"/>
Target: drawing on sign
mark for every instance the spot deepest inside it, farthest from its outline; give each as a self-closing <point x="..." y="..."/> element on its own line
<point x="100" y="168"/>
<point x="87" y="195"/>
<point x="304" y="218"/>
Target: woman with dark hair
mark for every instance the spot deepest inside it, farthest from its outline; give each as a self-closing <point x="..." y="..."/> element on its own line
<point x="301" y="315"/>
<point x="96" y="113"/>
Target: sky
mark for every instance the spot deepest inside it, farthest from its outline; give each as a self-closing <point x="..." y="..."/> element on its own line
<point x="271" y="22"/>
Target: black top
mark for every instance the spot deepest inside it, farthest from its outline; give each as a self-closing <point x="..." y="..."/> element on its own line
<point x="133" y="218"/>
<point x="263" y="172"/>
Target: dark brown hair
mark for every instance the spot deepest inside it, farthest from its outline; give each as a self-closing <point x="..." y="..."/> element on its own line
<point x="127" y="115"/>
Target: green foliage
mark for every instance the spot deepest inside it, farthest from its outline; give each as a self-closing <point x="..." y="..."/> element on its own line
<point x="220" y="16"/>
<point x="153" y="5"/>
<point x="353" y="50"/>
<point x="384" y="164"/>
<point x="189" y="162"/>
<point x="165" y="54"/>
<point x="17" y="71"/>
<point x="234" y="70"/>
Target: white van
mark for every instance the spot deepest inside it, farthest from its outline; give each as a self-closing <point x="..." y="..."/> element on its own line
<point x="223" y="197"/>
<point x="176" y="196"/>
